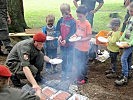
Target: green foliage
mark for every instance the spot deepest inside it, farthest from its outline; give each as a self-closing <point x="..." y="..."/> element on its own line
<point x="37" y="10"/>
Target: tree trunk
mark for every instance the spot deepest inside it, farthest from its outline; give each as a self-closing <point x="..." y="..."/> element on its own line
<point x="16" y="12"/>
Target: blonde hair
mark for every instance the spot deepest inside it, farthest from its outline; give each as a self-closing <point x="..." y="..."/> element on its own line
<point x="64" y="7"/>
<point x="130" y="6"/>
<point x="50" y="17"/>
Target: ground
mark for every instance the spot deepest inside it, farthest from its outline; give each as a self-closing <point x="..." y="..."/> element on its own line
<point x="99" y="87"/>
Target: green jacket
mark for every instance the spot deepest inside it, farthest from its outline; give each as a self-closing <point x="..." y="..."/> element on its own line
<point x="8" y="93"/>
<point x="23" y="52"/>
<point x="112" y="42"/>
<point x="127" y="36"/>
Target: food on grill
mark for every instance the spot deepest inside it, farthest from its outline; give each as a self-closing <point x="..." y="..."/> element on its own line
<point x="61" y="95"/>
<point x="47" y="91"/>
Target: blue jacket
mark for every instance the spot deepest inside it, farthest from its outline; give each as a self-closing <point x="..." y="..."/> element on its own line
<point x="50" y="44"/>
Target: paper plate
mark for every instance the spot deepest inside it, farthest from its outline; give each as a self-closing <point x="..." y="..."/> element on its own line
<point x="120" y="43"/>
<point x="49" y="38"/>
<point x="102" y="39"/>
<point x="55" y="61"/>
<point x="75" y="39"/>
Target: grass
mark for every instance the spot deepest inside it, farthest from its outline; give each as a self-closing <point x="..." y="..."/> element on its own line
<point x="37" y="10"/>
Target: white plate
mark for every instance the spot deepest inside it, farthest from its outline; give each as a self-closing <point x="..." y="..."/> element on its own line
<point x="120" y="43"/>
<point x="55" y="61"/>
<point x="102" y="39"/>
<point x="49" y="38"/>
<point x="75" y="39"/>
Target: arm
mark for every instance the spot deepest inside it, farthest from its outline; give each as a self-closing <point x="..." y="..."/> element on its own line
<point x="30" y="78"/>
<point x="46" y="58"/>
<point x="97" y="8"/>
<point x="8" y="18"/>
<point x="86" y="38"/>
<point x="75" y="3"/>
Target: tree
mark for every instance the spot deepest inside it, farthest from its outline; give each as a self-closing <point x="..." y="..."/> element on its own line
<point x="16" y="12"/>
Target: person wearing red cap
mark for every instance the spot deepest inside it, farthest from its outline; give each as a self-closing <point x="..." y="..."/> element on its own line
<point x="26" y="60"/>
<point x="7" y="92"/>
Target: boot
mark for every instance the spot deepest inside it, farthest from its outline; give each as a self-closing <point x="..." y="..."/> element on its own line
<point x="111" y="75"/>
<point x="122" y="81"/>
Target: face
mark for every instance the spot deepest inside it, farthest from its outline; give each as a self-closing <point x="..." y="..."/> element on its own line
<point x="131" y="12"/>
<point x="65" y="14"/>
<point x="81" y="16"/>
<point x="39" y="45"/>
<point x="49" y="22"/>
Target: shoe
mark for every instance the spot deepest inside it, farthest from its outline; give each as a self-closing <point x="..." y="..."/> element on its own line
<point x="108" y="71"/>
<point x="130" y="75"/>
<point x="122" y="81"/>
<point x="111" y="75"/>
<point x="16" y="82"/>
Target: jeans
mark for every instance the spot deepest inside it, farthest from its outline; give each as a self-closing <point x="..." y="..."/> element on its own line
<point x="126" y="60"/>
<point x="89" y="17"/>
<point x="113" y="56"/>
<point x="80" y="63"/>
<point x="67" y="57"/>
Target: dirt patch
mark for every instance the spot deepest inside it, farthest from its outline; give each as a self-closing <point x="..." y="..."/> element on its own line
<point x="99" y="87"/>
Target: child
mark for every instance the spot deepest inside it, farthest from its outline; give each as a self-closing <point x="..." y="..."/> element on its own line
<point x="126" y="58"/>
<point x="113" y="37"/>
<point x="51" y="45"/>
<point x="66" y="26"/>
<point x="81" y="47"/>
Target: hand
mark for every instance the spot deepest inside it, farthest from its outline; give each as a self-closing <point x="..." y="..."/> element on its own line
<point x="109" y="34"/>
<point x="51" y="61"/>
<point x="59" y="39"/>
<point x="63" y="42"/>
<point x="124" y="45"/>
<point x="36" y="87"/>
<point x="93" y="11"/>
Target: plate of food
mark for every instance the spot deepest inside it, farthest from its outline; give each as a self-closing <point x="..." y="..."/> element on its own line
<point x="55" y="61"/>
<point x="74" y="39"/>
<point x="102" y="39"/>
<point x="121" y="44"/>
<point x="49" y="38"/>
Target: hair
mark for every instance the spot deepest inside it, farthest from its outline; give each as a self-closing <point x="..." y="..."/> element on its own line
<point x="130" y="6"/>
<point x="115" y="22"/>
<point x="50" y="17"/>
<point x="82" y="10"/>
<point x="3" y="81"/>
<point x="64" y="8"/>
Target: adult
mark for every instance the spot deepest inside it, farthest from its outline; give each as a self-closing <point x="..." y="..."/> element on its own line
<point x="90" y="4"/>
<point x="6" y="92"/>
<point x="126" y="3"/>
<point x="4" y="21"/>
<point x="26" y="60"/>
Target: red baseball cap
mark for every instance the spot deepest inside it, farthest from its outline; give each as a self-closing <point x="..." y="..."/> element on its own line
<point x="4" y="71"/>
<point x="39" y="37"/>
